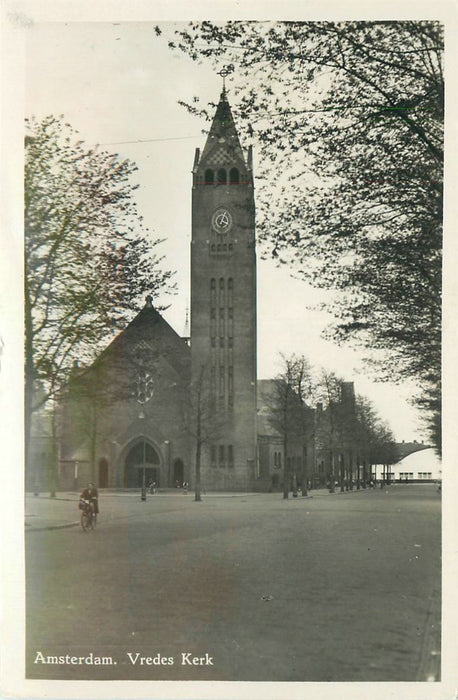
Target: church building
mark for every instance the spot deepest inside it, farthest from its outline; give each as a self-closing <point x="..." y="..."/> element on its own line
<point x="154" y="403"/>
<point x="136" y="414"/>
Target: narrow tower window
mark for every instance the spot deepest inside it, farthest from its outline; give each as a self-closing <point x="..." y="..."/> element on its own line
<point x="230" y="387"/>
<point x="234" y="177"/>
<point x="221" y="292"/>
<point x="221" y="176"/>
<point x="209" y="176"/>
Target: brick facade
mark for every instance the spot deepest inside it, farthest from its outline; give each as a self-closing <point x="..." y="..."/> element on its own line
<point x="128" y="410"/>
<point x="223" y="302"/>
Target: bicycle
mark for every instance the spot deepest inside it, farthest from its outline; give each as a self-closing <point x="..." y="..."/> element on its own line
<point x="88" y="516"/>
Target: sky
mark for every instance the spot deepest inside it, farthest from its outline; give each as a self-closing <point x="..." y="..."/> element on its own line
<point x="119" y="86"/>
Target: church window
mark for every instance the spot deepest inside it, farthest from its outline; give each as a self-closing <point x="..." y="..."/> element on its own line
<point x="221" y="381"/>
<point x="222" y="456"/>
<point x="221" y="176"/>
<point x="230" y="291"/>
<point x="230" y="457"/>
<point x="230" y="247"/>
<point x="213" y="455"/>
<point x="213" y="248"/>
<point x="221" y="292"/>
<point x="212" y="319"/>
<point x="230" y="386"/>
<point x="234" y="177"/>
<point x="209" y="176"/>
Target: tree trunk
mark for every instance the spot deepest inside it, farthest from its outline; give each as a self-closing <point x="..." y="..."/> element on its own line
<point x="53" y="475"/>
<point x="93" y="441"/>
<point x="29" y="396"/>
<point x="342" y="473"/>
<point x="285" y="470"/>
<point x="304" y="471"/>
<point x="198" y="454"/>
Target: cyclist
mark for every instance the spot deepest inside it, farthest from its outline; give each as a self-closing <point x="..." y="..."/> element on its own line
<point x="90" y="494"/>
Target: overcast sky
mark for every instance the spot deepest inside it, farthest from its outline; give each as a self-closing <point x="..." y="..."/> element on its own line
<point x="118" y="85"/>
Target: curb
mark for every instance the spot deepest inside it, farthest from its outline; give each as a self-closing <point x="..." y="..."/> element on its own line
<point x="31" y="528"/>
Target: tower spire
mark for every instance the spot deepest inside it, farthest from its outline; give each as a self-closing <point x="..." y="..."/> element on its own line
<point x="223" y="132"/>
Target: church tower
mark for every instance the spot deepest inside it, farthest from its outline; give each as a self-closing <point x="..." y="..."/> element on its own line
<point x="223" y="304"/>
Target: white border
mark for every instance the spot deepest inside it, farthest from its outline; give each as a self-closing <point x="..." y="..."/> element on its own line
<point x="15" y="16"/>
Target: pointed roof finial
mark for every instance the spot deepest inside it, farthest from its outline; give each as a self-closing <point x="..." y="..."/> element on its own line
<point x="224" y="72"/>
<point x="186" y="332"/>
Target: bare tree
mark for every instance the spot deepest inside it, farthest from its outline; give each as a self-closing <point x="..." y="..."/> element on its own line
<point x="203" y="421"/>
<point x="289" y="417"/>
<point x="88" y="257"/>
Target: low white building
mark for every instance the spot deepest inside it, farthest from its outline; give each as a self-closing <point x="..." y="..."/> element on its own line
<point x="423" y="465"/>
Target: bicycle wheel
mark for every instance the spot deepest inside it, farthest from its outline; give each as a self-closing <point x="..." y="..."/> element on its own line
<point x="85" y="521"/>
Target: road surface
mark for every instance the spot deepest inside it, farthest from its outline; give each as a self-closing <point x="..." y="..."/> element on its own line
<point x="245" y="587"/>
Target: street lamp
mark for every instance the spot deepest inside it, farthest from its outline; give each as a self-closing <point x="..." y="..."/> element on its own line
<point x="144" y="471"/>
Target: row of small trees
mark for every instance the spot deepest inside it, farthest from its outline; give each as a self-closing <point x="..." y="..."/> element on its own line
<point x="344" y="430"/>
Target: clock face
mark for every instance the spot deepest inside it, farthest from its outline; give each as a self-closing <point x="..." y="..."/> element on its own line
<point x="222" y="220"/>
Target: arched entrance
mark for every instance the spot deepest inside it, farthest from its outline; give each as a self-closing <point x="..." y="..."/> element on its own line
<point x="142" y="456"/>
<point x="178" y="472"/>
<point x="103" y="473"/>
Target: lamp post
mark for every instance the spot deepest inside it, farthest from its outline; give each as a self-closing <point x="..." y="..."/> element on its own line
<point x="144" y="472"/>
<point x="75" y="476"/>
